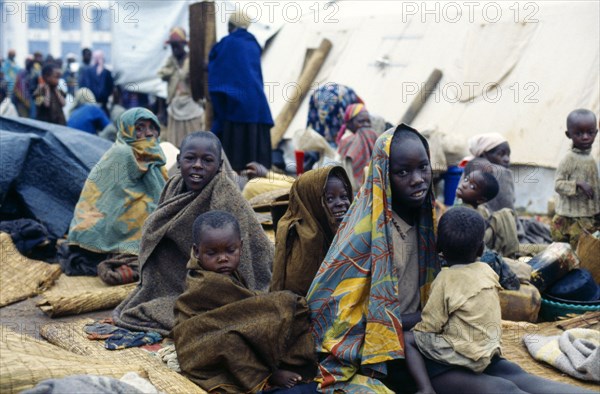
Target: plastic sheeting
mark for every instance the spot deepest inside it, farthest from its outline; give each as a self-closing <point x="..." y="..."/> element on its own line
<point x="44" y="167"/>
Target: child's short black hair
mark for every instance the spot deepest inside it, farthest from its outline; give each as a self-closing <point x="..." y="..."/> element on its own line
<point x="490" y="186"/>
<point x="582" y="112"/>
<point x="208" y="135"/>
<point x="215" y="220"/>
<point x="479" y="165"/>
<point x="460" y="234"/>
<point x="48" y="69"/>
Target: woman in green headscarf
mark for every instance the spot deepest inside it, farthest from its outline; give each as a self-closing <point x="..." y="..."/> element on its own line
<point x="121" y="191"/>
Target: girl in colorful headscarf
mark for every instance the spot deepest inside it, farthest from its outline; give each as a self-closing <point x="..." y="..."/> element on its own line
<point x="355" y="142"/>
<point x="319" y="200"/>
<point x="376" y="276"/>
<point x="121" y="191"/>
<point x="326" y="109"/>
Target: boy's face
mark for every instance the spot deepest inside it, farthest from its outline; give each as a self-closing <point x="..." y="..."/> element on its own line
<point x="199" y="163"/>
<point x="583" y="132"/>
<point x="410" y="173"/>
<point x="219" y="249"/>
<point x="499" y="155"/>
<point x="471" y="189"/>
<point x="336" y="198"/>
<point x="52" y="79"/>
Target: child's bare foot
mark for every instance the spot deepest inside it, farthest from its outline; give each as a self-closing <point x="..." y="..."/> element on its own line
<point x="283" y="378"/>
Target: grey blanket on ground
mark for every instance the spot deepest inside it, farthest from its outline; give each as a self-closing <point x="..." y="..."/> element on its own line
<point x="574" y="352"/>
<point x="530" y="231"/>
<point x="166" y="246"/>
<point x="89" y="384"/>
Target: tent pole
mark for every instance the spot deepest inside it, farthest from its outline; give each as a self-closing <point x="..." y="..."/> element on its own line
<point x="308" y="75"/>
<point x="203" y="35"/>
<point x="420" y="99"/>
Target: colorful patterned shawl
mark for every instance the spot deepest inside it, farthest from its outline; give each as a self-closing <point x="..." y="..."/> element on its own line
<point x="355" y="316"/>
<point x="327" y="106"/>
<point x="120" y="192"/>
<point x="358" y="147"/>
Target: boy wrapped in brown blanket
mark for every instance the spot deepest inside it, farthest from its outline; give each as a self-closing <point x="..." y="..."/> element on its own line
<point x="231" y="339"/>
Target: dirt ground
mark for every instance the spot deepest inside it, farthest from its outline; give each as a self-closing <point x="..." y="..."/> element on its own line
<point x="26" y="318"/>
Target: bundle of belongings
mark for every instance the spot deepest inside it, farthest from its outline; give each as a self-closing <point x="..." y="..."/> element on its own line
<point x="511" y="235"/>
<point x="565" y="287"/>
<point x="519" y="299"/>
<point x="119" y="269"/>
<point x="31" y="238"/>
<point x="551" y="284"/>
<point x="588" y="249"/>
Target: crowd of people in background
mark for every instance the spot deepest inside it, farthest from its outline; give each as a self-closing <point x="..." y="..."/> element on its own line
<point x="79" y="94"/>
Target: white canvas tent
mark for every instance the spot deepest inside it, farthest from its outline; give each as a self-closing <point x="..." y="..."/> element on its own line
<point x="513" y="68"/>
<point x="516" y="68"/>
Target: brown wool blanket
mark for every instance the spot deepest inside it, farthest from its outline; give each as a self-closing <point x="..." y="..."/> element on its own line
<point x="230" y="339"/>
<point x="305" y="231"/>
<point x="166" y="245"/>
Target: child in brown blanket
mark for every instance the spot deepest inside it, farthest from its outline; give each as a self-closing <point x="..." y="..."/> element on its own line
<point x="229" y="338"/>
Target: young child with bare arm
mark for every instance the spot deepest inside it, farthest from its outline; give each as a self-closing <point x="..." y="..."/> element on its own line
<point x="576" y="182"/>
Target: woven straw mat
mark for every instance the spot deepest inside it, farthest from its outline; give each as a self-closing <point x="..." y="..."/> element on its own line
<point x="71" y="337"/>
<point x="73" y="295"/>
<point x="21" y="277"/>
<point x="25" y="362"/>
